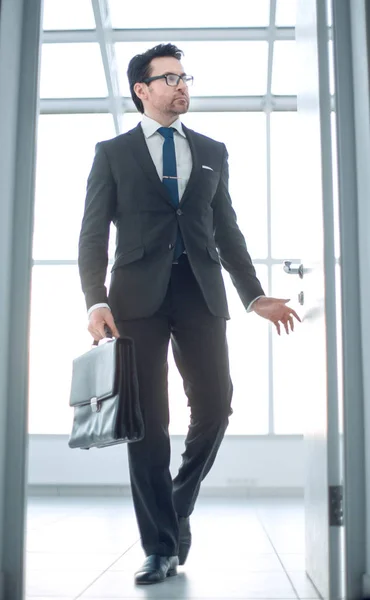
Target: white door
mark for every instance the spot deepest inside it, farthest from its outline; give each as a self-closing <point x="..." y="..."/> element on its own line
<point x="319" y="377"/>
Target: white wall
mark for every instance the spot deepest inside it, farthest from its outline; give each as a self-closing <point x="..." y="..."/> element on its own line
<point x="257" y="464"/>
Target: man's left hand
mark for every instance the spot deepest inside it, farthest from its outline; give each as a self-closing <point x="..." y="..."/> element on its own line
<point x="276" y="311"/>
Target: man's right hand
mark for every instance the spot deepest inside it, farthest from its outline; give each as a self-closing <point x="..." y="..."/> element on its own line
<point x="98" y="319"/>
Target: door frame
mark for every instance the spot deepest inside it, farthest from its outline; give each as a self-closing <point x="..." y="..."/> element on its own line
<point x="353" y="146"/>
<point x="20" y="27"/>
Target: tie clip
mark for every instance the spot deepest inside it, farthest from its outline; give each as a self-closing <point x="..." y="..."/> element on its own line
<point x="171" y="177"/>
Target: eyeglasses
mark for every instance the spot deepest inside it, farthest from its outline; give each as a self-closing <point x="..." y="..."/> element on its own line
<point x="172" y="79"/>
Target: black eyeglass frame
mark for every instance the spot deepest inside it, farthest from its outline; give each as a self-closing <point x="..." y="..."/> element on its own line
<point x="189" y="78"/>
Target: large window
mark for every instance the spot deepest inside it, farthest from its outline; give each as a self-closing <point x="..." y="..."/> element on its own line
<point x="239" y="13"/>
<point x="72" y="70"/>
<point x="243" y="77"/>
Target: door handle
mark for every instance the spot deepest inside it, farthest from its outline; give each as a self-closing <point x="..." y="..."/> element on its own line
<point x="293" y="271"/>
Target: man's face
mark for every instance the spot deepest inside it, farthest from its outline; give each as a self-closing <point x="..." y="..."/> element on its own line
<point x="164" y="99"/>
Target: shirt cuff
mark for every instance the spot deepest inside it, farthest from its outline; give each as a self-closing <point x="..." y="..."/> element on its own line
<point x="94" y="306"/>
<point x="249" y="309"/>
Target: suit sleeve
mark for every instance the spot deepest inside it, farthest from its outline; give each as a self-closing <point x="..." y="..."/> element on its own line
<point x="230" y="242"/>
<point x="100" y="207"/>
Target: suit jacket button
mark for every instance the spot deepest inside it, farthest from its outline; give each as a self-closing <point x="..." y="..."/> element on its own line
<point x="171" y="246"/>
<point x="179" y="211"/>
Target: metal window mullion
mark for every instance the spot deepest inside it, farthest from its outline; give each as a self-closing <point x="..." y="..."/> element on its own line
<point x="49" y="106"/>
<point x="271" y="38"/>
<point x="270" y="263"/>
<point x="73" y="261"/>
<point x="268" y="109"/>
<point x="208" y="34"/>
<point x="108" y="53"/>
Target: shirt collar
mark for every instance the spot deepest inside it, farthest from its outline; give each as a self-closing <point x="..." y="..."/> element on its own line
<point x="149" y="126"/>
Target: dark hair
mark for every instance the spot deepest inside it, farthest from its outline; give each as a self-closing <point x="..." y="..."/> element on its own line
<point x="139" y="67"/>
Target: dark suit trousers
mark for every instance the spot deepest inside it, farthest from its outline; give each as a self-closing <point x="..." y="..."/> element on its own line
<point x="200" y="349"/>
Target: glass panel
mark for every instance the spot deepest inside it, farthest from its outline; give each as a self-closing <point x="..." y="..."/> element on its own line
<point x="72" y="71"/>
<point x="130" y="120"/>
<point x="287" y="360"/>
<point x="219" y="68"/>
<point x="57" y="301"/>
<point x="248" y="351"/>
<point x="284" y="69"/>
<point x="249" y="364"/>
<point x="65" y="152"/>
<point x="68" y="14"/>
<point x="285" y="207"/>
<point x="286" y="13"/>
<point x="249" y="13"/>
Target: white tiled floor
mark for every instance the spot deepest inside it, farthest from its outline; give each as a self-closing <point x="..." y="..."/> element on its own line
<point x="88" y="548"/>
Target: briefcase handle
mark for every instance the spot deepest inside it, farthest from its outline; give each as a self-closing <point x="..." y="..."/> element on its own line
<point x="108" y="334"/>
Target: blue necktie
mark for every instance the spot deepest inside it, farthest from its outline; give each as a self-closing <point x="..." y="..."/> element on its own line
<point x="170" y="178"/>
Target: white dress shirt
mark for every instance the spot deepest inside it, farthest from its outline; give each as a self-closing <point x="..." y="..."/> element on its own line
<point x="184" y="163"/>
<point x="155" y="140"/>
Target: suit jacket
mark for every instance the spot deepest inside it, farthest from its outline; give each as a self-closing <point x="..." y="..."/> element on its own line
<point x="124" y="187"/>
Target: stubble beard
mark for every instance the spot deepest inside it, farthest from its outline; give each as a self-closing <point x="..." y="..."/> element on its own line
<point x="179" y="110"/>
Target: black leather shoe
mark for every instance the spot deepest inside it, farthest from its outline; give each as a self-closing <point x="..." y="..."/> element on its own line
<point x="184" y="539"/>
<point x="156" y="568"/>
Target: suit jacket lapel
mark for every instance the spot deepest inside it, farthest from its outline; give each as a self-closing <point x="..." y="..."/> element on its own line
<point x="142" y="155"/>
<point x="196" y="164"/>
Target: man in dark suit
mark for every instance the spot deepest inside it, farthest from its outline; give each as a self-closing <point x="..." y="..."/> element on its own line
<point x="166" y="189"/>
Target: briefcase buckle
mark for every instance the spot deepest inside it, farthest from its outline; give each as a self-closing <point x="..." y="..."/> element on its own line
<point x="95" y="405"/>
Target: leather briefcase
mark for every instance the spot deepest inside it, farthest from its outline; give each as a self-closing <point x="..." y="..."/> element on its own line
<point x="105" y="396"/>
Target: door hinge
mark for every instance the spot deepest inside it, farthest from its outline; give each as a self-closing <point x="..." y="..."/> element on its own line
<point x="336" y="509"/>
